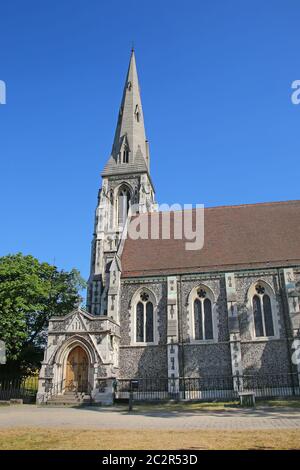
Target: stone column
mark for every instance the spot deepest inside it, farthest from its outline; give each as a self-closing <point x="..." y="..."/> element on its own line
<point x="114" y="286"/>
<point x="294" y="312"/>
<point x="234" y="329"/>
<point x="172" y="336"/>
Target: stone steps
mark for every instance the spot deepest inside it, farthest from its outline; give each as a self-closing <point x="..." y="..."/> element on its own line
<point x="70" y="399"/>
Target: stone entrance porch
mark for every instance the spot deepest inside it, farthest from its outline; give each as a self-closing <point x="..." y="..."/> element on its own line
<point x="81" y="358"/>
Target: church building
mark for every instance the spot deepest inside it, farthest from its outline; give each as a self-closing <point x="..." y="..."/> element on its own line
<point x="169" y="317"/>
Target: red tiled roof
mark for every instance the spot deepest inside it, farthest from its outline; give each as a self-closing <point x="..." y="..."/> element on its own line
<point x="235" y="237"/>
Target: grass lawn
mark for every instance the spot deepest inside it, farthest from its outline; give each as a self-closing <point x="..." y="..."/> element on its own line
<point x="50" y="439"/>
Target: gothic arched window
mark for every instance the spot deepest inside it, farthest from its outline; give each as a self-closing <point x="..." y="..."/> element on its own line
<point x="140" y="322"/>
<point x="125" y="155"/>
<point x="203" y="321"/>
<point x="123" y="204"/>
<point x="262" y="312"/>
<point x="198" y="319"/>
<point x="144" y="320"/>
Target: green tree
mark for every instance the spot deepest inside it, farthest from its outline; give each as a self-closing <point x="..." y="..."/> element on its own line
<point x="30" y="293"/>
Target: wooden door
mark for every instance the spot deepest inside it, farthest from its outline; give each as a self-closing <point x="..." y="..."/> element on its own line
<point x="77" y="370"/>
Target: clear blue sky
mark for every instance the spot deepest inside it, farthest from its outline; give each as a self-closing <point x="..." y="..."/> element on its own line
<point x="216" y="84"/>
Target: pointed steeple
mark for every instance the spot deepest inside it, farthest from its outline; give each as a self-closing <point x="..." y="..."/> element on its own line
<point x="130" y="151"/>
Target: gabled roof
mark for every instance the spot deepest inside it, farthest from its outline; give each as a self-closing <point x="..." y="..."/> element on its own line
<point x="235" y="237"/>
<point x="75" y="311"/>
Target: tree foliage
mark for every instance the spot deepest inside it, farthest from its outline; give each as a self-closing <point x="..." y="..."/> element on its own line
<point x="30" y="293"/>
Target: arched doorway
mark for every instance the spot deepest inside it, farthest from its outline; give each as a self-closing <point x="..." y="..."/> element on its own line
<point x="77" y="370"/>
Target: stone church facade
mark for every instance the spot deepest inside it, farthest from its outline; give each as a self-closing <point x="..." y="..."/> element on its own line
<point x="154" y="309"/>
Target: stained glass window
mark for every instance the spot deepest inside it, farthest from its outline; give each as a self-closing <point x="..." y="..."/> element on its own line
<point x="198" y="319"/>
<point x="144" y="320"/>
<point x="149" y="322"/>
<point x="140" y="322"/>
<point x="208" y="324"/>
<point x="144" y="296"/>
<point x="203" y="321"/>
<point x="262" y="311"/>
<point x="268" y="315"/>
<point x="258" y="322"/>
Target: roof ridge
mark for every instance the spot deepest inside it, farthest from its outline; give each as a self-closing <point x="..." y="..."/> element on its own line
<point x="270" y="203"/>
<point x="234" y="206"/>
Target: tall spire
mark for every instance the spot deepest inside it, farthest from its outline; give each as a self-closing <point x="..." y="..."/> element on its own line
<point x="130" y="149"/>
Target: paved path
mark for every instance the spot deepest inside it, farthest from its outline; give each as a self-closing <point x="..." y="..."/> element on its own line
<point x="108" y="418"/>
